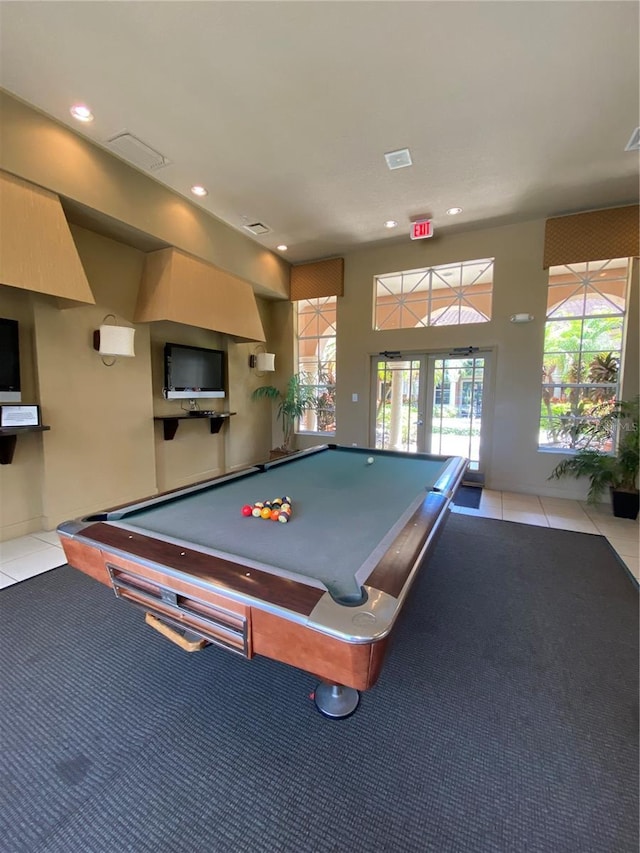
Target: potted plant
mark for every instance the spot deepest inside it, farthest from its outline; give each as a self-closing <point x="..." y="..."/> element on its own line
<point x="293" y="402"/>
<point x="617" y="471"/>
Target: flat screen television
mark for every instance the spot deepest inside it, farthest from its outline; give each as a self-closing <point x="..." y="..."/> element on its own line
<point x="193" y="372"/>
<point x="9" y="362"/>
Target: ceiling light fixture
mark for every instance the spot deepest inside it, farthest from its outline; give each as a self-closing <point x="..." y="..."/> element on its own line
<point x="81" y="112"/>
<point x="199" y="191"/>
<point x="390" y="223"/>
<point x="282" y="247"/>
<point x="454" y="211"/>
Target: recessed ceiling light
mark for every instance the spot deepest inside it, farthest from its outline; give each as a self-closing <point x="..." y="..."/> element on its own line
<point x="454" y="211"/>
<point x="390" y="223"/>
<point x="282" y="247"/>
<point x="81" y="112"/>
<point x="198" y="190"/>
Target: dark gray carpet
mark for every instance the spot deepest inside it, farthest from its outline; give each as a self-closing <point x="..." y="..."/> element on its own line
<point x="505" y="719"/>
<point x="468" y="496"/>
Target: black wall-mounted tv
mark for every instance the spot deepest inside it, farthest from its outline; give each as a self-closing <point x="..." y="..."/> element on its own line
<point x="193" y="372"/>
<point x="9" y="362"/>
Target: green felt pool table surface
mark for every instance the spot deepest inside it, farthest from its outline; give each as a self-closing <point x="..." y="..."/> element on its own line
<point x="345" y="512"/>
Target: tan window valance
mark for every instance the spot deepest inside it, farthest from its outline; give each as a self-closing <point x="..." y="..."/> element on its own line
<point x="594" y="236"/>
<point x="320" y="278"/>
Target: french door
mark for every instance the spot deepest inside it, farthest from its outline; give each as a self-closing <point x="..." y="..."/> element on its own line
<point x="431" y="402"/>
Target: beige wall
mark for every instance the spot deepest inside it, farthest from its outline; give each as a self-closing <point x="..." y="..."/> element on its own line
<point x="99" y="451"/>
<point x="104" y="447"/>
<point x="20" y="492"/>
<point x="631" y="361"/>
<point x="513" y="462"/>
<point x="50" y="155"/>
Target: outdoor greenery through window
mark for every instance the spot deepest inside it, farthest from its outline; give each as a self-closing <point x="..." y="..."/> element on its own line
<point x="582" y="352"/>
<point x="317" y="361"/>
<point x="446" y="295"/>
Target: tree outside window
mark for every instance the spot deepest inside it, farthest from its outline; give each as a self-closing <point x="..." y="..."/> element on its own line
<point x="316" y="340"/>
<point x="582" y="351"/>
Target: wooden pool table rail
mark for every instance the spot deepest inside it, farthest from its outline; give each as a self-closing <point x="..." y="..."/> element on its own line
<point x="355" y="665"/>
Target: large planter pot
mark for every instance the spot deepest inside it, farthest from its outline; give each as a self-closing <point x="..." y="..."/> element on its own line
<point x="625" y="504"/>
<point x="279" y="453"/>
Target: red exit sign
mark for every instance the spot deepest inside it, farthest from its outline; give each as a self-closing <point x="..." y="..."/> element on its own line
<point x="421" y="229"/>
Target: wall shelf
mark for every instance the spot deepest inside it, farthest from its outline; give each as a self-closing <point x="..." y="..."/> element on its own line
<point x="8" y="436"/>
<point x="170" y="422"/>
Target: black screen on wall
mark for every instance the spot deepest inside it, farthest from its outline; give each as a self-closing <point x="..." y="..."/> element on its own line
<point x="9" y="355"/>
<point x="194" y="368"/>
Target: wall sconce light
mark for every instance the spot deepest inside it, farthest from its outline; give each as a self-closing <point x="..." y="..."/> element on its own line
<point x="262" y="361"/>
<point x="521" y="318"/>
<point x="113" y="341"/>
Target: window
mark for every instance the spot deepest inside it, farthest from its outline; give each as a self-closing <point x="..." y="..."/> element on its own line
<point x="317" y="360"/>
<point x="582" y="350"/>
<point x="447" y="295"/>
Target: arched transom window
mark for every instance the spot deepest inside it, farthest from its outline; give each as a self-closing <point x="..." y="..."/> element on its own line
<point x="445" y="295"/>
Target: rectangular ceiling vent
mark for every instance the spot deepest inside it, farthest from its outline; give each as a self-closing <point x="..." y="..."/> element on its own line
<point x="137" y="152"/>
<point x="257" y="228"/>
<point x="398" y="159"/>
<point x="634" y="143"/>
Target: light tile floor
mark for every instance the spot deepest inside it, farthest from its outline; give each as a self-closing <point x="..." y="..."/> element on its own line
<point x="622" y="533"/>
<point x="27" y="556"/>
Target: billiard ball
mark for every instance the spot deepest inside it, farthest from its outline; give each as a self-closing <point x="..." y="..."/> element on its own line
<point x="275" y="514"/>
<point x="370" y="460"/>
<point x="256" y="512"/>
<point x="247" y="510"/>
<point x="265" y="512"/>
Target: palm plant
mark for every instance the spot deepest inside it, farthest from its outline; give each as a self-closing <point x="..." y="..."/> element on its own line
<point x="619" y="471"/>
<point x="293" y="402"/>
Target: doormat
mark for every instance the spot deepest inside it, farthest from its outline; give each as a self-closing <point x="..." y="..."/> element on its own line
<point x="468" y="496"/>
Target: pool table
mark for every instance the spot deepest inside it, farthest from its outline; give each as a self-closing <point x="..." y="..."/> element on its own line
<point x="321" y="592"/>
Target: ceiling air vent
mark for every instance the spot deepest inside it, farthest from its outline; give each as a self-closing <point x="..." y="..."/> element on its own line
<point x="130" y="148"/>
<point x="398" y="159"/>
<point x="257" y="228"/>
<point x="634" y="143"/>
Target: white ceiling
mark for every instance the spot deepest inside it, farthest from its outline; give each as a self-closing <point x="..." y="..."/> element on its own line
<point x="284" y="110"/>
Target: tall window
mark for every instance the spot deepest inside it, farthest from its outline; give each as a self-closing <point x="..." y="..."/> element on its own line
<point x="446" y="295"/>
<point x="317" y="361"/>
<point x="582" y="350"/>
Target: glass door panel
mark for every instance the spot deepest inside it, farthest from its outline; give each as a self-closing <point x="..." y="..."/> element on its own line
<point x="456" y="398"/>
<point x="431" y="403"/>
<point x="399" y="404"/>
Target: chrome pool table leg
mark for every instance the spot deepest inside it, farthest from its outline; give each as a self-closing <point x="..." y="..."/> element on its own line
<point x="335" y="701"/>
